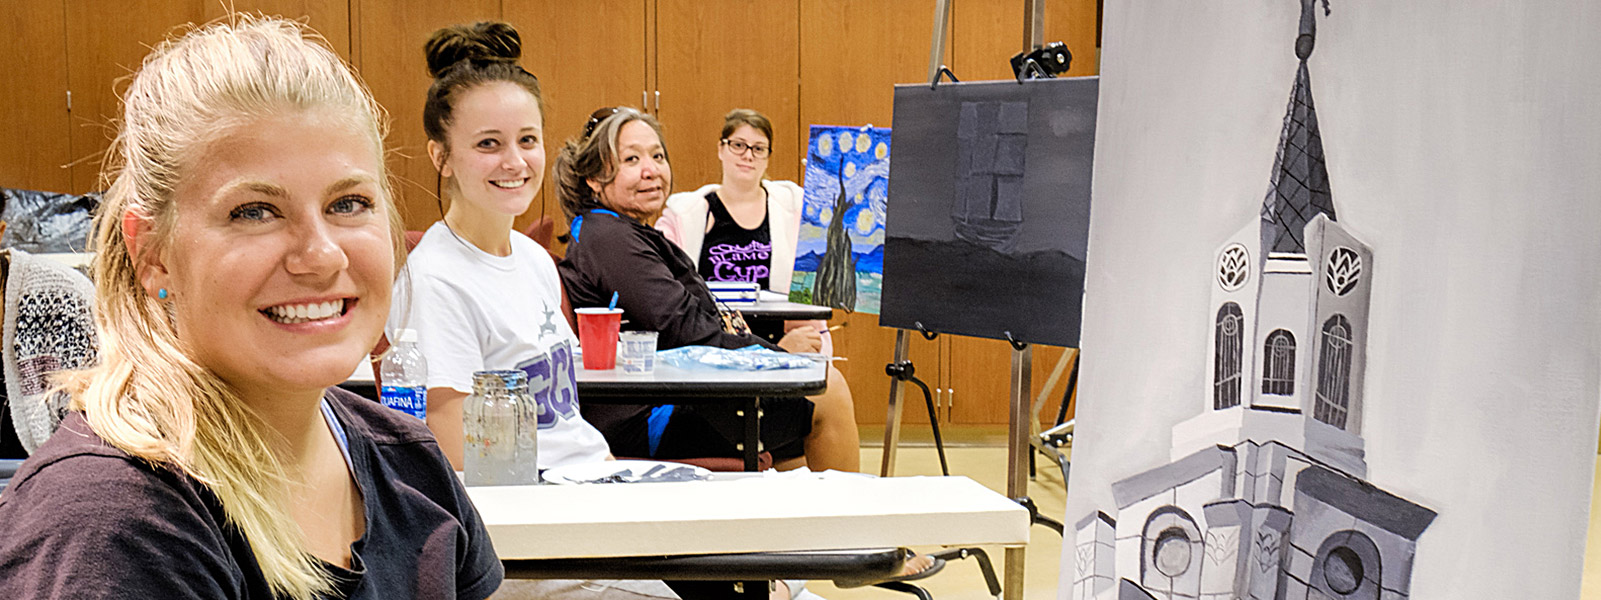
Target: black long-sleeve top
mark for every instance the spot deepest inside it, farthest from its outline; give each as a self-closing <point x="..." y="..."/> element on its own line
<point x="657" y="284"/>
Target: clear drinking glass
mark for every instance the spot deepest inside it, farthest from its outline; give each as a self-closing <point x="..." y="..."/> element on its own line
<point x="637" y="351"/>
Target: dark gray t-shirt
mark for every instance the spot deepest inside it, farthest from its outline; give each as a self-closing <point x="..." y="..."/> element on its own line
<point x="83" y="519"/>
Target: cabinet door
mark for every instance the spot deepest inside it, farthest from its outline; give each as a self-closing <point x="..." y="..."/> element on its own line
<point x="852" y="55"/>
<point x="980" y="373"/>
<point x="988" y="33"/>
<point x="869" y="348"/>
<point x="388" y="50"/>
<point x="330" y="18"/>
<point x="713" y="56"/>
<point x="587" y="55"/>
<point x="33" y="44"/>
<point x="107" y="40"/>
<point x="980" y="377"/>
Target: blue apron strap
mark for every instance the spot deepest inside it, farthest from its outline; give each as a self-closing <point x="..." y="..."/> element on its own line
<point x="655" y="424"/>
<point x="578" y="221"/>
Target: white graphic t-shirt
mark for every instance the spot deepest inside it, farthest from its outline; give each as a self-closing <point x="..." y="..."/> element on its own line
<point x="474" y="311"/>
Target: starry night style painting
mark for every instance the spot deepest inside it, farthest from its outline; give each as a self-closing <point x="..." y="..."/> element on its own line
<point x="990" y="226"/>
<point x="839" y="257"/>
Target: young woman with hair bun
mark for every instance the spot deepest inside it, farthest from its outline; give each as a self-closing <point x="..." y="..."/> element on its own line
<point x="480" y="295"/>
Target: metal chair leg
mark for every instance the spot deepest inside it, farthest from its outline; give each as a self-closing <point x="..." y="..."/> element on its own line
<point x="985" y="567"/>
<point x="901" y="586"/>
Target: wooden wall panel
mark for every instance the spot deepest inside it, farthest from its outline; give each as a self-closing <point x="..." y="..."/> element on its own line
<point x="867" y="348"/>
<point x="587" y="55"/>
<point x="980" y="372"/>
<point x="389" y="54"/>
<point x="799" y="61"/>
<point x="102" y="51"/>
<point x="33" y="54"/>
<point x="331" y="18"/>
<point x="1077" y="24"/>
<point x="987" y="33"/>
<point x="716" y="55"/>
<point x="852" y="55"/>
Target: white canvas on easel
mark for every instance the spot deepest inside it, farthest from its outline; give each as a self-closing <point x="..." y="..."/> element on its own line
<point x="1463" y="150"/>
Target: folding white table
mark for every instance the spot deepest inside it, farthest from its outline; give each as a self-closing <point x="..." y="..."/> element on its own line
<point x="746" y="528"/>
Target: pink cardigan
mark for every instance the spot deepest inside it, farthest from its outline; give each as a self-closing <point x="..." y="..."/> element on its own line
<point x="684" y="222"/>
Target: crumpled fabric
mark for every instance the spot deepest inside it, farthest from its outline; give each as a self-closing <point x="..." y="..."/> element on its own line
<point x="48" y="222"/>
<point x="750" y="358"/>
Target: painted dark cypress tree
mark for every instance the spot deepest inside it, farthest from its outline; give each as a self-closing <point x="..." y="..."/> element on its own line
<point x="836" y="275"/>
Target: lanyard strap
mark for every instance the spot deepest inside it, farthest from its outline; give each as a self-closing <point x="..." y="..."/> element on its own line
<point x="339" y="432"/>
<point x="578" y="221"/>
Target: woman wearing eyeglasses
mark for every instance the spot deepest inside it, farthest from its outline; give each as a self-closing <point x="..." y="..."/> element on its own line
<point x="745" y="228"/>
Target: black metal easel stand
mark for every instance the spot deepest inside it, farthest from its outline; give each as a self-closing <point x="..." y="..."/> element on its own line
<point x="899" y="371"/>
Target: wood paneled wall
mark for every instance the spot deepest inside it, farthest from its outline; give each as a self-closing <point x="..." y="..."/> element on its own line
<point x="798" y="61"/>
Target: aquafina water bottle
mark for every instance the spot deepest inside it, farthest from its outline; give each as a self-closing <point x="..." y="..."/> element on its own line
<point x="405" y="376"/>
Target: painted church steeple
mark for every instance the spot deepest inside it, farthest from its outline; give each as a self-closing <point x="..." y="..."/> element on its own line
<point x="1298" y="188"/>
<point x="1289" y="306"/>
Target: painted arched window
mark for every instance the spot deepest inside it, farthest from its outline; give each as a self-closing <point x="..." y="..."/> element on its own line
<point x="1278" y="363"/>
<point x="1229" y="348"/>
<point x="1334" y="373"/>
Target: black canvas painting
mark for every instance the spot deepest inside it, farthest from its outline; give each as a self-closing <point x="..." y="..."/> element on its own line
<point x="987" y="224"/>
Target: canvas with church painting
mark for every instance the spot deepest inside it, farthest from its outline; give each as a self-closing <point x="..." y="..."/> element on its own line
<point x="1313" y="366"/>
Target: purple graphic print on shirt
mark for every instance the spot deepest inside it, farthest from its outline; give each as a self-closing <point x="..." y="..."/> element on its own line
<point x="747" y="263"/>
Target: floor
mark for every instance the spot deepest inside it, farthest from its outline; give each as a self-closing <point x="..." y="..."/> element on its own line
<point x="979" y="453"/>
<point x="1592" y="552"/>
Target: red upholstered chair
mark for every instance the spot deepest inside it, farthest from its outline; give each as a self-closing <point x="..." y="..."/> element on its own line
<point x="542" y="230"/>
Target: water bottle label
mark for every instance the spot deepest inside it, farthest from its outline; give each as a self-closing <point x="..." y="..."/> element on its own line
<point x="410" y="400"/>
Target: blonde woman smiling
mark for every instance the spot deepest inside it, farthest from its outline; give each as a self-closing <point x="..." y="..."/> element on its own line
<point x="247" y="246"/>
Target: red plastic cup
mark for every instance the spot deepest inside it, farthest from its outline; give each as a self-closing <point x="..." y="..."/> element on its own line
<point x="597" y="335"/>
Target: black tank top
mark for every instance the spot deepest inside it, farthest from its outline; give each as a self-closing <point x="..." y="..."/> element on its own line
<point x="734" y="253"/>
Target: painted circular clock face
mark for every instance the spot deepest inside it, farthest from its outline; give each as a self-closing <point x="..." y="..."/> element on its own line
<point x="1233" y="267"/>
<point x="1342" y="270"/>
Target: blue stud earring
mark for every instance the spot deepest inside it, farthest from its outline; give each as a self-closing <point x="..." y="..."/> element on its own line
<point x="161" y="293"/>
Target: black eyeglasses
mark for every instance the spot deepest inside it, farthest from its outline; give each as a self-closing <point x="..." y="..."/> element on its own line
<point x="739" y="147"/>
<point x="596" y="117"/>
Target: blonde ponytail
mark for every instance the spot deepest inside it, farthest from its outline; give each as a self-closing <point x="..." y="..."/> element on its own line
<point x="148" y="396"/>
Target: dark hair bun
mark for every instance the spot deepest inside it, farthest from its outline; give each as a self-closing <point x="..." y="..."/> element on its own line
<point x="489" y="41"/>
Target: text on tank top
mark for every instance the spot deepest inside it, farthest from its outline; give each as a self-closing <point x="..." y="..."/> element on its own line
<point x="734" y="253"/>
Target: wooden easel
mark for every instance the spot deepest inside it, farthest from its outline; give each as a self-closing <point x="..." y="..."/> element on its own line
<point x="1020" y="420"/>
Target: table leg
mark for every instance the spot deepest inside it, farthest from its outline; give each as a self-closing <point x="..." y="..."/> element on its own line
<point x="1017" y="454"/>
<point x="753" y="428"/>
<point x="1012" y="587"/>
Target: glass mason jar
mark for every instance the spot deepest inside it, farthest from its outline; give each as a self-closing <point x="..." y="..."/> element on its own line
<point x="501" y="444"/>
